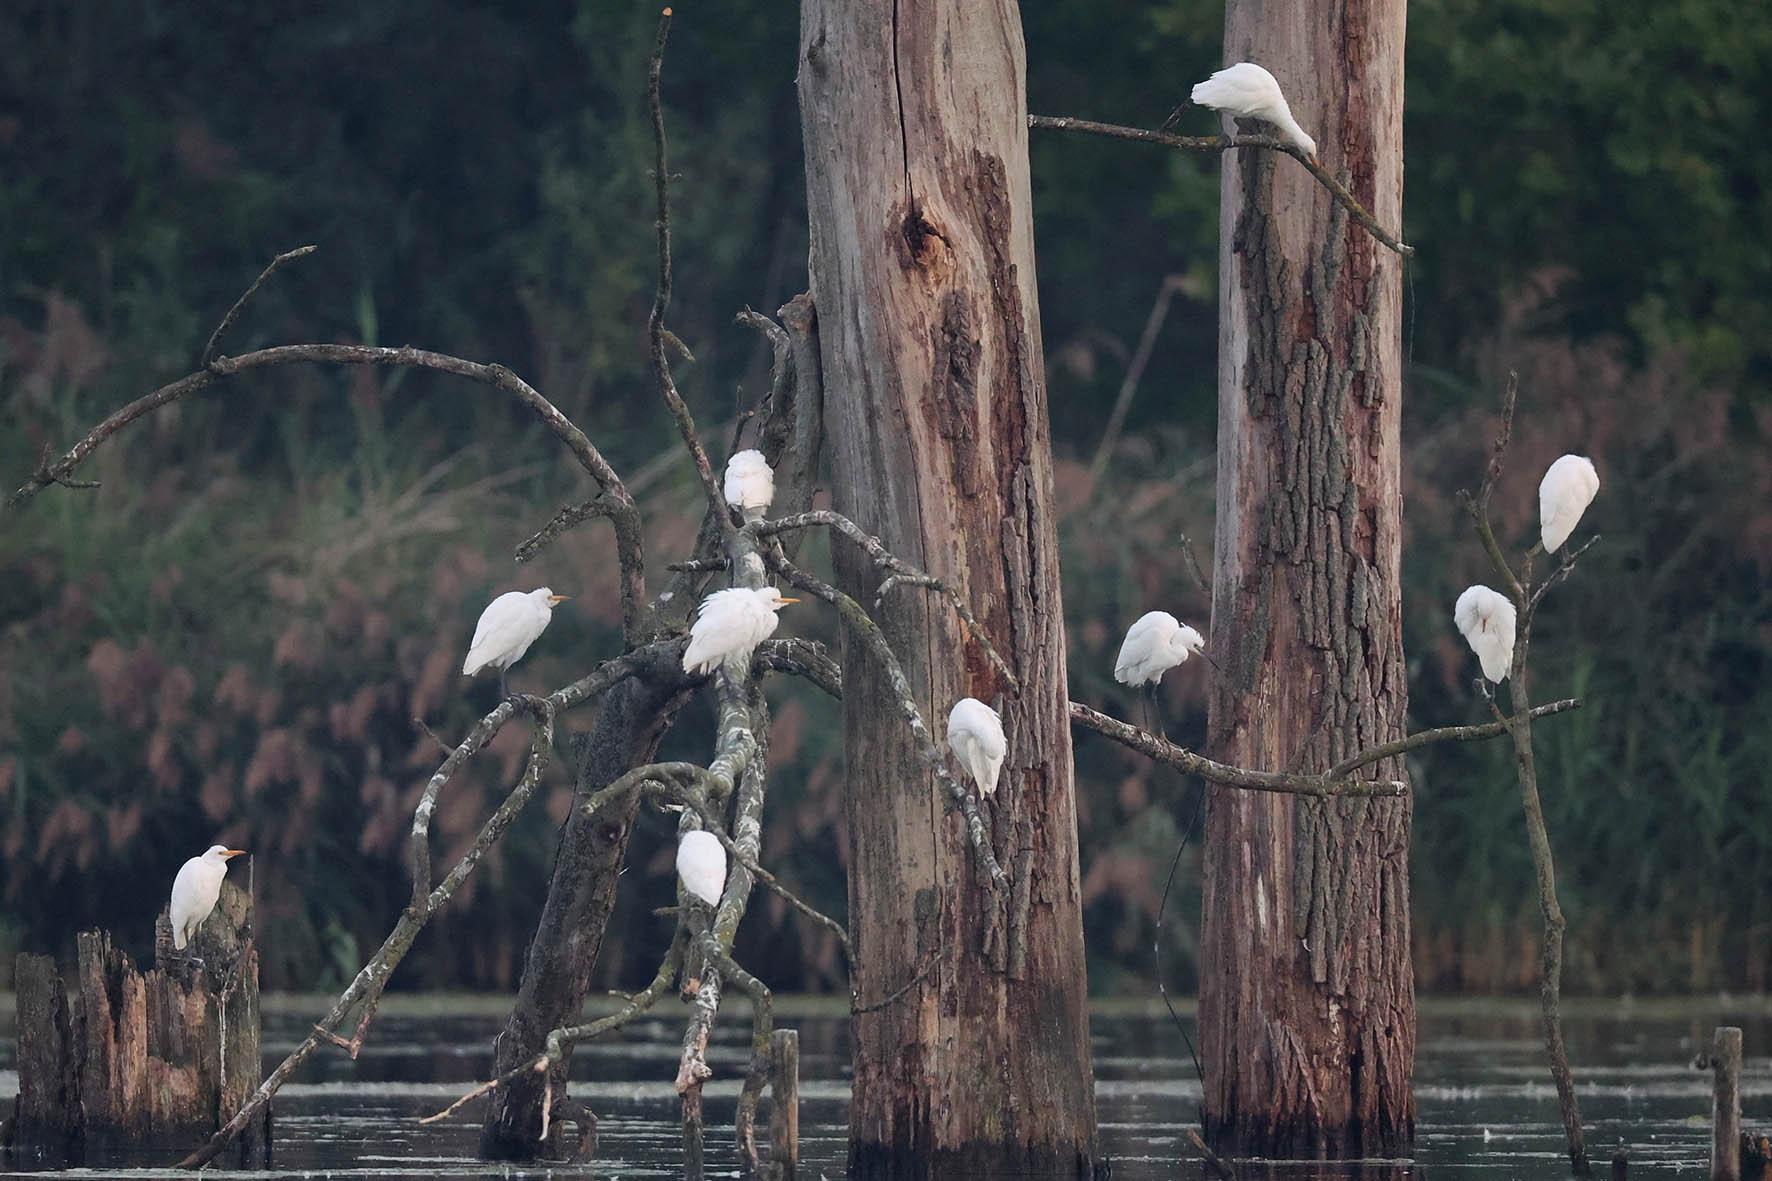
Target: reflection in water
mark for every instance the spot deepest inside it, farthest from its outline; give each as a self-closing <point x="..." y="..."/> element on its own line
<point x="1487" y="1108"/>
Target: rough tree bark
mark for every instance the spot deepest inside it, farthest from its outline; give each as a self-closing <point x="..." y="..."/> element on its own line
<point x="922" y="267"/>
<point x="1307" y="997"/>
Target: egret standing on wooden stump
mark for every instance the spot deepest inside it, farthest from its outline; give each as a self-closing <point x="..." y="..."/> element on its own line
<point x="730" y="624"/>
<point x="975" y="735"/>
<point x="1486" y="617"/>
<point x="507" y="627"/>
<point x="1247" y="91"/>
<point x="750" y="484"/>
<point x="1563" y="495"/>
<point x="701" y="863"/>
<point x="195" y="890"/>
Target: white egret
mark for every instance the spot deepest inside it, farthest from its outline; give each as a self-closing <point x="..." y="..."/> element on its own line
<point x="730" y="624"/>
<point x="1246" y="90"/>
<point x="195" y="890"/>
<point x="750" y="484"/>
<point x="701" y="863"/>
<point x="1568" y="487"/>
<point x="1156" y="643"/>
<point x="1486" y="618"/>
<point x="507" y="627"/>
<point x="975" y="735"/>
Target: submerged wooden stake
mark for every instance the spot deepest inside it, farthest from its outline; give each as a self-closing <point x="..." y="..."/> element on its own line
<point x="1725" y="1143"/>
<point x="693" y="1168"/>
<point x="109" y="1057"/>
<point x="784" y="1088"/>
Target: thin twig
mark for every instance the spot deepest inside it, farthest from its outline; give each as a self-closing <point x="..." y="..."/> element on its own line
<point x="857" y="1009"/>
<point x="1141" y="356"/>
<point x="655" y="325"/>
<point x="1194" y="569"/>
<point x="1219" y="143"/>
<point x="227" y="321"/>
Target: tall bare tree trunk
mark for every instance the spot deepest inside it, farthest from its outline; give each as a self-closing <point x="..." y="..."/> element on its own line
<point x="1307" y="998"/>
<point x="923" y="274"/>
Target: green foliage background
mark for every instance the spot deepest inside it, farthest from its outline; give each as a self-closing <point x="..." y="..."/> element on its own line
<point x="232" y="637"/>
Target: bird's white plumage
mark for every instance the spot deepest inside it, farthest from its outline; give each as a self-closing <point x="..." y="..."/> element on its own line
<point x="1156" y="643"/>
<point x="730" y="624"/>
<point x="701" y="863"/>
<point x="750" y="484"/>
<point x="1486" y="618"/>
<point x="507" y="627"/>
<point x="975" y="735"/>
<point x="1568" y="487"/>
<point x="195" y="890"/>
<point x="1250" y="92"/>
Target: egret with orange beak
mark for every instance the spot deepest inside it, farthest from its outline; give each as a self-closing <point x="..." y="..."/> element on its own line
<point x="507" y="627"/>
<point x="195" y="890"/>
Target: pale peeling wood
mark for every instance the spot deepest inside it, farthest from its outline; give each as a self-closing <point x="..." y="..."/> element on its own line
<point x="1306" y="904"/>
<point x="922" y="264"/>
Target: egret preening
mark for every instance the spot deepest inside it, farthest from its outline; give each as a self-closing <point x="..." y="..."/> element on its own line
<point x="1486" y="617"/>
<point x="750" y="484"/>
<point x="730" y="624"/>
<point x="507" y="627"/>
<point x="1156" y="643"/>
<point x="701" y="863"/>
<point x="975" y="735"/>
<point x="195" y="890"/>
<point x="1563" y="495"/>
<point x="1247" y="91"/>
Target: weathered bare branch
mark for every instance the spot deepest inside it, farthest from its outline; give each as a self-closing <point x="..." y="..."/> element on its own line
<point x="863" y="628"/>
<point x="1164" y="751"/>
<point x="624" y="516"/>
<point x="1423" y="738"/>
<point x="1220" y="143"/>
<point x="903" y="573"/>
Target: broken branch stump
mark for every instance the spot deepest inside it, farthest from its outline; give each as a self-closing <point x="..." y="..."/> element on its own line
<point x="784" y="1088"/>
<point x="112" y="1059"/>
<point x="1725" y="1065"/>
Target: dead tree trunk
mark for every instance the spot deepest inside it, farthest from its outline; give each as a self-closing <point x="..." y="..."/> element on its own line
<point x="112" y="1058"/>
<point x="922" y="267"/>
<point x="1307" y="997"/>
<point x="581" y="895"/>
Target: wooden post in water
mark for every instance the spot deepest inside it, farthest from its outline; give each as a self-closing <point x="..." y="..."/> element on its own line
<point x="1725" y="1139"/>
<point x="109" y="1057"/>
<point x="784" y="1088"/>
<point x="693" y="1168"/>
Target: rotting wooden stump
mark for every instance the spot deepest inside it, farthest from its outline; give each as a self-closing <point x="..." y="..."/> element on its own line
<point x="1725" y="1064"/>
<point x="784" y="1120"/>
<point x="111" y="1058"/>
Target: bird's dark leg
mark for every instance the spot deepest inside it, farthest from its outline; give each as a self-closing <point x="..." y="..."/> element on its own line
<point x="504" y="692"/>
<point x="1153" y="708"/>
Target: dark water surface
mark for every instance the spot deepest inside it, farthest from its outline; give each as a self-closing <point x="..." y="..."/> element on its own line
<point x="1487" y="1109"/>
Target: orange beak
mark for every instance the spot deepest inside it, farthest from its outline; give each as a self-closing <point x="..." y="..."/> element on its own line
<point x="235" y="853"/>
<point x="785" y="600"/>
<point x="556" y="600"/>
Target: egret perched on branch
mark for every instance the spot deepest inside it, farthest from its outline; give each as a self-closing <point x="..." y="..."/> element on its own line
<point x="1247" y="91"/>
<point x="1486" y="618"/>
<point x="195" y="890"/>
<point x="730" y="624"/>
<point x="701" y="863"/>
<point x="1156" y="643"/>
<point x="1563" y="495"/>
<point x="750" y="484"/>
<point x="975" y="735"/>
<point x="507" y="627"/>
